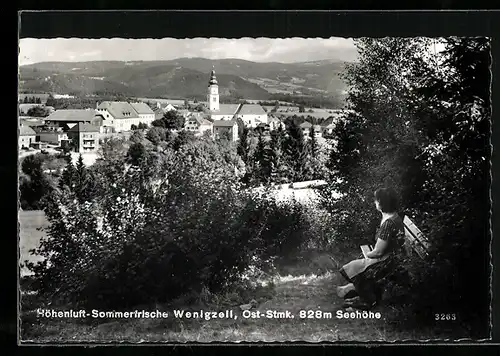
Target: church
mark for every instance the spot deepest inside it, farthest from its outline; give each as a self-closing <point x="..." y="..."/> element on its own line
<point x="251" y="114"/>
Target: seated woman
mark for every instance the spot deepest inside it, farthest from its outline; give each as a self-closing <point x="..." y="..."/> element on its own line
<point x="363" y="290"/>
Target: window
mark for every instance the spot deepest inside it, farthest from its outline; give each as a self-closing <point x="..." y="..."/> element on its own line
<point x="213" y="99"/>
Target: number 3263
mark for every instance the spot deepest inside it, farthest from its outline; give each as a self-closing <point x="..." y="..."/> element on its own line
<point x="445" y="317"/>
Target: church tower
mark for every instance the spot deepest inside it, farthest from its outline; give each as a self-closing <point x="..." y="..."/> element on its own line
<point x="213" y="93"/>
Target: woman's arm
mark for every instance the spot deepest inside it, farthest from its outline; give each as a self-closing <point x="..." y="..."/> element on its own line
<point x="379" y="249"/>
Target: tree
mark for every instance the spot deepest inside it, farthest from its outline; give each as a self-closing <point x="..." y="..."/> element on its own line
<point x="260" y="162"/>
<point x="420" y="123"/>
<point x="182" y="138"/>
<point x="279" y="169"/>
<point x="38" y="101"/>
<point x="31" y="164"/>
<point x="113" y="149"/>
<point x="51" y="101"/>
<point x="137" y="154"/>
<point x="201" y="108"/>
<point x="38" y="111"/>
<point x="36" y="186"/>
<point x="133" y="127"/>
<point x="68" y="176"/>
<point x="137" y="137"/>
<point x="313" y="143"/>
<point x="142" y="126"/>
<point x="83" y="182"/>
<point x="243" y="145"/>
<point x="158" y="123"/>
<point x="296" y="151"/>
<point x="173" y="120"/>
<point x="156" y="135"/>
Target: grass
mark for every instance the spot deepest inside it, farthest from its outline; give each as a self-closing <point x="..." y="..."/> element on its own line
<point x="291" y="293"/>
<point x="306" y="283"/>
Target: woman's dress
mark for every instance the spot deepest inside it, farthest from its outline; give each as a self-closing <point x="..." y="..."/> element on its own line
<point x="366" y="272"/>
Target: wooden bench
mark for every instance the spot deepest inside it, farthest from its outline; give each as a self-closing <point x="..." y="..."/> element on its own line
<point x="416" y="239"/>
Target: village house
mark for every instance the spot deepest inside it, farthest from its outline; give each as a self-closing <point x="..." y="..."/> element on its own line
<point x="66" y="119"/>
<point x="26" y="136"/>
<point x="39" y="145"/>
<point x="59" y="138"/>
<point x="328" y="125"/>
<point x="85" y="137"/>
<point x="31" y="122"/>
<point x="198" y="124"/>
<point x="226" y="127"/>
<point x="306" y="127"/>
<point x="252" y="115"/>
<point x="317" y="131"/>
<point x="146" y="114"/>
<point x="121" y="115"/>
<point x="275" y="123"/>
<point x="224" y="112"/>
<point x="184" y="113"/>
<point x="165" y="107"/>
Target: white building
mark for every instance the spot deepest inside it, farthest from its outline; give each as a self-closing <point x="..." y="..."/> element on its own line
<point x="252" y="115"/>
<point x="120" y="114"/>
<point x="198" y="124"/>
<point x="274" y="123"/>
<point x="165" y="107"/>
<point x="146" y="114"/>
<point x="228" y="128"/>
<point x="27" y="136"/>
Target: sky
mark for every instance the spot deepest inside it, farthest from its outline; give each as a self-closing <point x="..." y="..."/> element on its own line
<point x="286" y="50"/>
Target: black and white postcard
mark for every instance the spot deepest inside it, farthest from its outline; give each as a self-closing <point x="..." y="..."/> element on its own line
<point x="205" y="189"/>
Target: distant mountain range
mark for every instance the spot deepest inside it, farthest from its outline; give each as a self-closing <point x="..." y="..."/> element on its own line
<point x="185" y="78"/>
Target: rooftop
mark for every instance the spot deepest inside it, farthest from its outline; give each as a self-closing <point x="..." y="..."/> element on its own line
<point x="251" y="109"/>
<point x="142" y="108"/>
<point x="305" y="124"/>
<point x="31" y="122"/>
<point x="82" y="127"/>
<point x="26" y="131"/>
<point x="74" y="115"/>
<point x="199" y="119"/>
<point x="226" y="109"/>
<point x="119" y="109"/>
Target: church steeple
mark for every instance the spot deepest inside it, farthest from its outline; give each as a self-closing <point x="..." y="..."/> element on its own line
<point x="213" y="79"/>
<point x="213" y="92"/>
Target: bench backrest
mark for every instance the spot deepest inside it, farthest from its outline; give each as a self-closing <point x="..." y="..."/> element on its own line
<point x="415" y="238"/>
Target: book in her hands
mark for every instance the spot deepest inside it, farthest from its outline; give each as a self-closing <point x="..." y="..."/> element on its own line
<point x="365" y="249"/>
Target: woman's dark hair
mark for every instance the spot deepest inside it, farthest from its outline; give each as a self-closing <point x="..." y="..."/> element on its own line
<point x="388" y="199"/>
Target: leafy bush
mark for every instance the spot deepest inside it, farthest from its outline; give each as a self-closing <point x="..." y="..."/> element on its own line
<point x="172" y="224"/>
